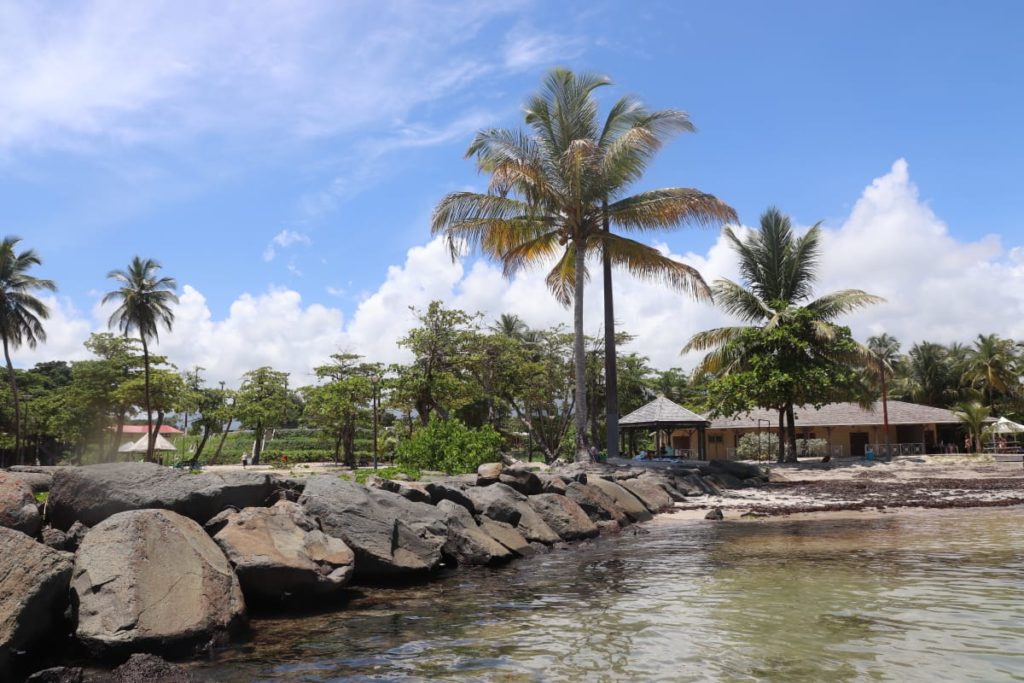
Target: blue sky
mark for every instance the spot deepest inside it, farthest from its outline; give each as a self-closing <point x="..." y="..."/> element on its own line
<point x="294" y="151"/>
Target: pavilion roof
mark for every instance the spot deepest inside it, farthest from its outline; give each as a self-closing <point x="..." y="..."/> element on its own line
<point x="661" y="412"/>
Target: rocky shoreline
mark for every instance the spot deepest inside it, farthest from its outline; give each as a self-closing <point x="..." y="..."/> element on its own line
<point x="128" y="562"/>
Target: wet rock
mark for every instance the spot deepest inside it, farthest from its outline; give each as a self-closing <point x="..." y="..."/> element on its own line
<point x="92" y="493"/>
<point x="392" y="537"/>
<point x="280" y="552"/>
<point x="608" y="526"/>
<point x="650" y="494"/>
<point x="33" y="591"/>
<point x="502" y="503"/>
<point x="153" y="581"/>
<point x="143" y="667"/>
<point x="522" y="480"/>
<point x="467" y="543"/>
<point x="598" y="505"/>
<point x="564" y="516"/>
<point x="715" y="514"/>
<point x="488" y="473"/>
<point x="18" y="508"/>
<point x="624" y="500"/>
<point x="551" y="483"/>
<point x="506" y="535"/>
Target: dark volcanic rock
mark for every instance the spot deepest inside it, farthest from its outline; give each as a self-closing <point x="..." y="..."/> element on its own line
<point x="392" y="537"/>
<point x="563" y="515"/>
<point x="467" y="543"/>
<point x="143" y="667"/>
<point x="92" y="493"/>
<point x="453" y="491"/>
<point x="522" y="480"/>
<point x="18" y="508"/>
<point x="39" y="482"/>
<point x="55" y="538"/>
<point x="596" y="503"/>
<point x="653" y="496"/>
<point x="488" y="473"/>
<point x="153" y="581"/>
<point x="715" y="514"/>
<point x="33" y="591"/>
<point x="503" y="504"/>
<point x="551" y="483"/>
<point x="280" y="552"/>
<point x="625" y="500"/>
<point x="506" y="535"/>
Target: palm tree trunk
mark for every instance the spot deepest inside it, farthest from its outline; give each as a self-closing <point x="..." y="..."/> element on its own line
<point x="885" y="409"/>
<point x="17" y="404"/>
<point x="582" y="450"/>
<point x="150" y="438"/>
<point x="611" y="379"/>
<point x="782" y="434"/>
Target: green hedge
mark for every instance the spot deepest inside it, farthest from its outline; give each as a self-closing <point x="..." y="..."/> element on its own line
<point x="449" y="446"/>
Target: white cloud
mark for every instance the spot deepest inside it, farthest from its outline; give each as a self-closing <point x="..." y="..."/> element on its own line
<point x="938" y="288"/>
<point x="283" y="240"/>
<point x="66" y="329"/>
<point x="526" y="47"/>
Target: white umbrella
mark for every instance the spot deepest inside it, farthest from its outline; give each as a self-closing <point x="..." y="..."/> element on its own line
<point x="1004" y="426"/>
<point x="141" y="445"/>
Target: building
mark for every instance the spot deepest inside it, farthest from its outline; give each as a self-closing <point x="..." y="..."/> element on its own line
<point x="132" y="433"/>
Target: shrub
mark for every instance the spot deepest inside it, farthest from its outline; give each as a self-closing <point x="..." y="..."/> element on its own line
<point x="449" y="446"/>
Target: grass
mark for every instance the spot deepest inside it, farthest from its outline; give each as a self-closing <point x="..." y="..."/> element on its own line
<point x="42" y="497"/>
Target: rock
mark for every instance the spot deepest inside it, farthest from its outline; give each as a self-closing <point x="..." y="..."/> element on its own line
<point x="488" y="473"/>
<point x="740" y="470"/>
<point x="564" y="516"/>
<point x="143" y="667"/>
<point x="74" y="536"/>
<point x="506" y="535"/>
<point x="522" y="480"/>
<point x="219" y="521"/>
<point x="92" y="493"/>
<point x="686" y="486"/>
<point x="153" y="581"/>
<point x="33" y="591"/>
<point x="650" y="494"/>
<point x="624" y="500"/>
<point x="59" y="674"/>
<point x="18" y="507"/>
<point x="503" y="504"/>
<point x="724" y="480"/>
<point x="551" y="483"/>
<point x="449" y="491"/>
<point x="608" y="526"/>
<point x="39" y="482"/>
<point x="392" y="537"/>
<point x="279" y="552"/>
<point x="598" y="505"/>
<point x="715" y="514"/>
<point x="411" y="490"/>
<point x="467" y="543"/>
<point x="55" y="538"/>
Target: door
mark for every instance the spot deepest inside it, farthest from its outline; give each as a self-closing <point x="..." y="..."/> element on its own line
<point x="858" y="440"/>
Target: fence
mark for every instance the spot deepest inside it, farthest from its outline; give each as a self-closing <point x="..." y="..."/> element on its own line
<point x="890" y="450"/>
<point x="769" y="454"/>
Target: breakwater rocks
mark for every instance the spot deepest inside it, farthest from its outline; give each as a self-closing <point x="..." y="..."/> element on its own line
<point x="130" y="558"/>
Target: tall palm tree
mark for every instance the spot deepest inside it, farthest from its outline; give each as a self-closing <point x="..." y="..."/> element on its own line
<point x="778" y="270"/>
<point x="928" y="375"/>
<point x="20" y="314"/>
<point x="510" y="325"/>
<point x="556" y="191"/>
<point x="885" y="353"/>
<point x="973" y="415"/>
<point x="145" y="304"/>
<point x="992" y="366"/>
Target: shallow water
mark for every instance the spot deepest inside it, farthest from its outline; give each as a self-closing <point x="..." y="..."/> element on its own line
<point x="918" y="596"/>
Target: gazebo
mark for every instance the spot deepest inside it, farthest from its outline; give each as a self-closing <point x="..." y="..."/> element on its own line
<point x="663" y="415"/>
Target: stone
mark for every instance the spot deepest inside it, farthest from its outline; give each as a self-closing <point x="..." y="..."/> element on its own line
<point x="650" y="494"/>
<point x="715" y="514"/>
<point x="39" y="482"/>
<point x="598" y="505"/>
<point x="522" y="480"/>
<point x="92" y="493"/>
<point x="564" y="516"/>
<point x="279" y="552"/>
<point x="411" y="490"/>
<point x="33" y="591"/>
<point x="608" y="526"/>
<point x="624" y="500"/>
<point x="506" y="535"/>
<point x="724" y="480"/>
<point x="551" y="483"/>
<point x="74" y="535"/>
<point x="453" y="491"/>
<point x="153" y="581"/>
<point x="502" y="503"/>
<point x="60" y="674"/>
<point x="488" y="473"/>
<point x="144" y="667"/>
<point x="219" y="521"/>
<point x="740" y="470"/>
<point x="55" y="538"/>
<point x="467" y="543"/>
<point x="18" y="507"/>
<point x="392" y="537"/>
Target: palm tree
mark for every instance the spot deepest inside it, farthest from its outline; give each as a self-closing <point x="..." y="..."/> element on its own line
<point x="20" y="314"/>
<point x="778" y="270"/>
<point x="927" y="375"/>
<point x="510" y="325"/>
<point x="145" y="303"/>
<point x="557" y="189"/>
<point x="992" y="366"/>
<point x="885" y="353"/>
<point x="973" y="416"/>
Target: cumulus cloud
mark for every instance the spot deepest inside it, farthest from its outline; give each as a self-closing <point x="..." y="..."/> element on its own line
<point x="283" y="240"/>
<point x="938" y="287"/>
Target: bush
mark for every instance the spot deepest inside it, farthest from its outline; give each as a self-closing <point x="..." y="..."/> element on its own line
<point x="755" y="445"/>
<point x="449" y="446"/>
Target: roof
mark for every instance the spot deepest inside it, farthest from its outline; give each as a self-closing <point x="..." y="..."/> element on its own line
<point x="843" y="415"/>
<point x="140" y="446"/>
<point x="141" y="429"/>
<point x="662" y="411"/>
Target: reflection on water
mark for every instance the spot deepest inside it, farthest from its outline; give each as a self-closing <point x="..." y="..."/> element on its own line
<point x="936" y="595"/>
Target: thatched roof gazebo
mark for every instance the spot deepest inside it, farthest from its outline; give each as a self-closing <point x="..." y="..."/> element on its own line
<point x="663" y="415"/>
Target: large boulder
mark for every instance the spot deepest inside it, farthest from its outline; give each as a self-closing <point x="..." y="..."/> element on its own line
<point x="393" y="537"/>
<point x="92" y="493"/>
<point x="522" y="480"/>
<point x="39" y="482"/>
<point x="33" y="591"/>
<point x="467" y="543"/>
<point x="564" y="516"/>
<point x="18" y="508"/>
<point x="453" y="491"/>
<point x="413" y="490"/>
<point x="552" y="483"/>
<point x="653" y="496"/>
<point x="504" y="504"/>
<point x="507" y="535"/>
<point x="598" y="505"/>
<point x="488" y="473"/>
<point x="625" y="500"/>
<point x="740" y="470"/>
<point x="153" y="581"/>
<point x="280" y="552"/>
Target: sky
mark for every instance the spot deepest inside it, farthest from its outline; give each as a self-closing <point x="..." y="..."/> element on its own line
<point x="282" y="159"/>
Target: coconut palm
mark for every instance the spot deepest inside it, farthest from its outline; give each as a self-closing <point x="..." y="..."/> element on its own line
<point x="928" y="375"/>
<point x="557" y="190"/>
<point x="20" y="314"/>
<point x="144" y="305"/>
<point x="973" y="416"/>
<point x="885" y="353"/>
<point x="992" y="366"/>
<point x="778" y="271"/>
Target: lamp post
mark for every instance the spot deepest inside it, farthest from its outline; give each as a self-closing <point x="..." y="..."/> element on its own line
<point x="375" y="380"/>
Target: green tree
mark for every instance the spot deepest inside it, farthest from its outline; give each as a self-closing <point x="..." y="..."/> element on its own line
<point x="557" y="190"/>
<point x="993" y="367"/>
<point x="885" y="354"/>
<point x="161" y="392"/>
<point x="973" y="415"/>
<point x="122" y="357"/>
<point x="262" y="403"/>
<point x="21" y="315"/>
<point x="929" y="374"/>
<point x="144" y="304"/>
<point x="337" y="405"/>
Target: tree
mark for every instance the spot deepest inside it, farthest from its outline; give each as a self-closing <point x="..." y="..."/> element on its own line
<point x="337" y="405"/>
<point x="992" y="366"/>
<point x="885" y="353"/>
<point x="556" y="191"/>
<point x="778" y="271"/>
<point x="144" y="305"/>
<point x="262" y="402"/>
<point x="928" y="375"/>
<point x="161" y="392"/>
<point x="973" y="415"/>
<point x="21" y="314"/>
